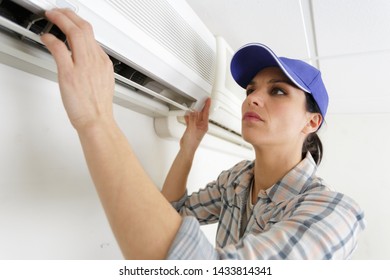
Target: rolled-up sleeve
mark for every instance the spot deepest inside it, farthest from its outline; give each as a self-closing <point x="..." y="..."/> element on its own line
<point x="179" y="204"/>
<point x="204" y="205"/>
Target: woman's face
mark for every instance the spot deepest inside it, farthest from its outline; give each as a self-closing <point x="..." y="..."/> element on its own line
<point x="274" y="111"/>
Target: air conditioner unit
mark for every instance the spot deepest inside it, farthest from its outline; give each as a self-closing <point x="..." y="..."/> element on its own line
<point x="165" y="59"/>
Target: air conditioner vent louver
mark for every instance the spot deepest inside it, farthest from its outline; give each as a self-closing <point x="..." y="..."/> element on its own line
<point x="14" y="12"/>
<point x="28" y="20"/>
<point x="225" y="128"/>
<point x="128" y="72"/>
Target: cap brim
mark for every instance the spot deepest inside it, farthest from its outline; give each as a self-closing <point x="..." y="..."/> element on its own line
<point x="254" y="57"/>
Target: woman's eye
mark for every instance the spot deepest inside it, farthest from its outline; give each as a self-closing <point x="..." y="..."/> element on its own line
<point x="249" y="91"/>
<point x="277" y="91"/>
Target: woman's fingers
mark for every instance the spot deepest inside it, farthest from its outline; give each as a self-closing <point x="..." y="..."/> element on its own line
<point x="59" y="51"/>
<point x="206" y="110"/>
<point x="79" y="33"/>
<point x="86" y="76"/>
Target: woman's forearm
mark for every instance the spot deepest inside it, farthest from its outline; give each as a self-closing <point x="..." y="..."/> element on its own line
<point x="176" y="181"/>
<point x="143" y="222"/>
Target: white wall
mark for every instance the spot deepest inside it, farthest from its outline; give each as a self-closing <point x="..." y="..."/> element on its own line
<point x="356" y="162"/>
<point x="48" y="205"/>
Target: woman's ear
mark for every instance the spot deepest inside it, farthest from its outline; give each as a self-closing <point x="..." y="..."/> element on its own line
<point x="313" y="123"/>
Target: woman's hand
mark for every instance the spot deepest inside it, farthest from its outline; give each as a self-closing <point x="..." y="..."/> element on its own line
<point x="197" y="126"/>
<point x="85" y="73"/>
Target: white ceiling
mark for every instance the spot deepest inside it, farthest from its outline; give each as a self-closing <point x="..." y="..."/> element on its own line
<point x="349" y="40"/>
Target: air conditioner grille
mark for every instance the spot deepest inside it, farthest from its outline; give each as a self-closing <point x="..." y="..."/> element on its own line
<point x="161" y="22"/>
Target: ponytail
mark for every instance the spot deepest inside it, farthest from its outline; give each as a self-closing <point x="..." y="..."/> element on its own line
<point x="312" y="142"/>
<point x="313" y="145"/>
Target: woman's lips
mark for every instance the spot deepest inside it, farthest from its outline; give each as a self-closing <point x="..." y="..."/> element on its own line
<point x="251" y="116"/>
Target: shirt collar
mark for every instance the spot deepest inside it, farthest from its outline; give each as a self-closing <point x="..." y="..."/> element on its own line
<point x="244" y="179"/>
<point x="294" y="182"/>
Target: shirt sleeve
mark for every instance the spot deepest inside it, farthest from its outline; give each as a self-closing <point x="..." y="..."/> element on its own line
<point x="190" y="243"/>
<point x="323" y="225"/>
<point x="205" y="204"/>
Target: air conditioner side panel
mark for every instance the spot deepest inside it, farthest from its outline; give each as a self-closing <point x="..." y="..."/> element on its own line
<point x="227" y="96"/>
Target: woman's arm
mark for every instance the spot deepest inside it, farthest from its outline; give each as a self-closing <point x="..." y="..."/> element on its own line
<point x="176" y="181"/>
<point x="143" y="222"/>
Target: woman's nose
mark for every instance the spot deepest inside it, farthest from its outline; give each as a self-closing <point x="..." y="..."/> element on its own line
<point x="256" y="99"/>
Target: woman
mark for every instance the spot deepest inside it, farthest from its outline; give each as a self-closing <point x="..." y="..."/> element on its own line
<point x="294" y="215"/>
<point x="273" y="207"/>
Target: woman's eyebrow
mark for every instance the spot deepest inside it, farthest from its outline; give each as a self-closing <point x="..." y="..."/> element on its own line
<point x="251" y="83"/>
<point x="286" y="81"/>
<point x="275" y="81"/>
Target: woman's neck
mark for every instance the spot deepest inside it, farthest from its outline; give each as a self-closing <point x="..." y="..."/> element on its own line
<point x="271" y="165"/>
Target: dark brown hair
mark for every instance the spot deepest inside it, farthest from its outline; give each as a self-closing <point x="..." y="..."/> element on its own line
<point x="312" y="142"/>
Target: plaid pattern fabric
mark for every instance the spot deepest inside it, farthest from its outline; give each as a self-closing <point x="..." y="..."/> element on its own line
<point x="299" y="217"/>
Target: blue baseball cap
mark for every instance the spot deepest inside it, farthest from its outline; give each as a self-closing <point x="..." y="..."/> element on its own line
<point x="252" y="58"/>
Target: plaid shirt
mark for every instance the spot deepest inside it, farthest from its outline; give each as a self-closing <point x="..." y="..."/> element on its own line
<point x="297" y="218"/>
